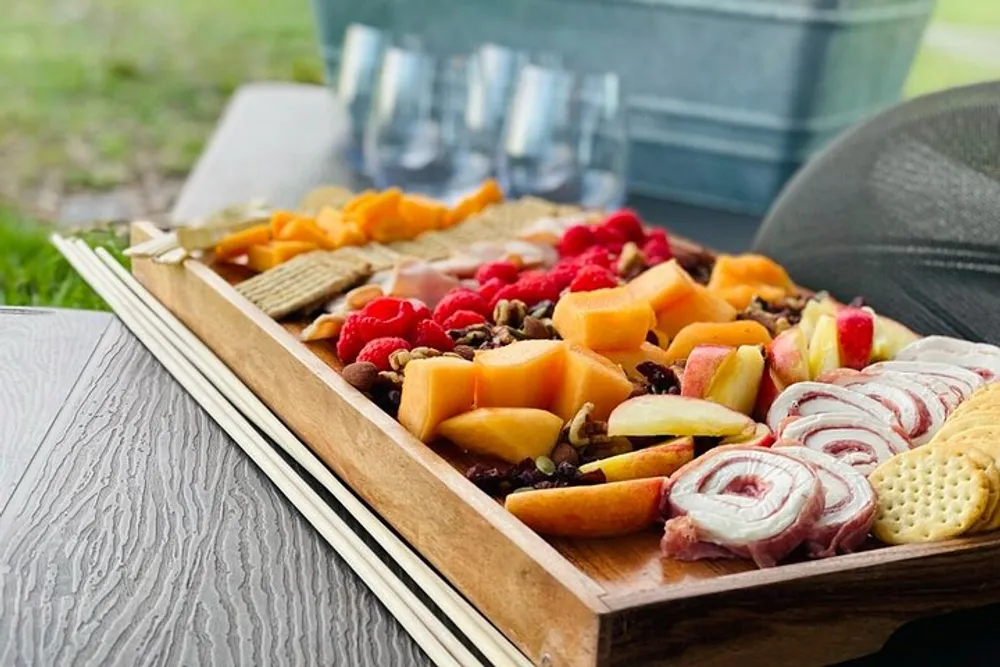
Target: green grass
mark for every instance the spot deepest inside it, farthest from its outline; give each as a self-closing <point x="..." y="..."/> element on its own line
<point x="33" y="273"/>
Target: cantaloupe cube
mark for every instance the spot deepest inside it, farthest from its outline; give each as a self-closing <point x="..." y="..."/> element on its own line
<point x="263" y="257"/>
<point x="629" y="359"/>
<point x="604" y="319"/>
<point x="662" y="285"/>
<point x="590" y="378"/>
<point x="733" y="334"/>
<point x="509" y="434"/>
<point x="700" y="305"/>
<point x="524" y="374"/>
<point x="434" y="390"/>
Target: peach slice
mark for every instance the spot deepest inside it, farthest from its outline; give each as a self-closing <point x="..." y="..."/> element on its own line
<point x="736" y="382"/>
<point x="855" y="336"/>
<point x="602" y="510"/>
<point x="662" y="285"/>
<point x="788" y="355"/>
<point x="667" y="414"/>
<point x="700" y="305"/>
<point x="761" y="437"/>
<point x="890" y="337"/>
<point x="734" y="334"/>
<point x="660" y="460"/>
<point x="509" y="434"/>
<point x="604" y="319"/>
<point x="435" y="390"/>
<point x="824" y="350"/>
<point x="630" y="359"/>
<point x="589" y="378"/>
<point x="525" y="374"/>
<point x="702" y="366"/>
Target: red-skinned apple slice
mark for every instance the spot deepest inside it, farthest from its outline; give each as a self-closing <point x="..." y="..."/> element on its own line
<point x="855" y="336"/>
<point x="890" y="338"/>
<point x="761" y="437"/>
<point x="737" y="380"/>
<point x="701" y="367"/>
<point x="769" y="390"/>
<point x="788" y="356"/>
<point x="666" y="414"/>
<point x="812" y="312"/>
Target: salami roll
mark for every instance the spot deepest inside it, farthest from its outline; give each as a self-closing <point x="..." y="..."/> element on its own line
<point x="812" y="398"/>
<point x="982" y="359"/>
<point x="848" y="503"/>
<point x="918" y="409"/>
<point x="740" y="501"/>
<point x="856" y="440"/>
<point x="961" y="381"/>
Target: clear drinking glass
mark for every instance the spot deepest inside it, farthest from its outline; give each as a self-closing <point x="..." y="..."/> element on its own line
<point x="417" y="136"/>
<point x="360" y="56"/>
<point x="564" y="138"/>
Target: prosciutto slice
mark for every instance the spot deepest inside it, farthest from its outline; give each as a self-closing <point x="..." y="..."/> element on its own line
<point x="980" y="358"/>
<point x="918" y="409"/>
<point x="740" y="501"/>
<point x="856" y="440"/>
<point x="848" y="503"/>
<point x="811" y="398"/>
<point x="961" y="381"/>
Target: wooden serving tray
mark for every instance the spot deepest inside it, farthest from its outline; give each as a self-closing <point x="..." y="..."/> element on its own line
<point x="571" y="602"/>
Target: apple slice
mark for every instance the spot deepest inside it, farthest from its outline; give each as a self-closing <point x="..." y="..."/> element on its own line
<point x="660" y="460"/>
<point x="761" y="437"/>
<point x="770" y="388"/>
<point x="602" y="510"/>
<point x="890" y="338"/>
<point x="667" y="414"/>
<point x="855" y="336"/>
<point x="788" y="354"/>
<point x="736" y="382"/>
<point x="702" y="366"/>
<point x="824" y="351"/>
<point x="812" y="312"/>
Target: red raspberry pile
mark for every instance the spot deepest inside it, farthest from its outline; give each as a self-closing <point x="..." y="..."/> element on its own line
<point x="387" y="324"/>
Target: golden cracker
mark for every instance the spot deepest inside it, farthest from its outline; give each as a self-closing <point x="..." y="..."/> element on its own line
<point x="988" y="464"/>
<point x="422" y="247"/>
<point x="928" y="494"/>
<point x="981" y="400"/>
<point x="968" y="421"/>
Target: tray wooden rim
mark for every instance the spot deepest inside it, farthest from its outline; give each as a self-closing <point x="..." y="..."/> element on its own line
<point x="616" y="617"/>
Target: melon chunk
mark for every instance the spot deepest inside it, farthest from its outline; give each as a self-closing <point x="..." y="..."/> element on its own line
<point x="590" y="378"/>
<point x="435" y="390"/>
<point x="525" y="374"/>
<point x="260" y="258"/>
<point x="733" y="334"/>
<point x="604" y="319"/>
<point x="700" y="305"/>
<point x="630" y="359"/>
<point x="662" y="285"/>
<point x="509" y="434"/>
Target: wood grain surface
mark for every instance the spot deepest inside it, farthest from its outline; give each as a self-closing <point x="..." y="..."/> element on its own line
<point x="140" y="535"/>
<point x="41" y="355"/>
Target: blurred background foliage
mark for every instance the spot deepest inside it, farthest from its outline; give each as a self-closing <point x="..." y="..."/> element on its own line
<point x="112" y="101"/>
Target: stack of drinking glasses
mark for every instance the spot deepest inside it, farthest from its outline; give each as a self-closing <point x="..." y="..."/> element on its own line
<point x="441" y="125"/>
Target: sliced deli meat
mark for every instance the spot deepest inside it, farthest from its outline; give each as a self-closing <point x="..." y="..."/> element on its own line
<point x="740" y="501"/>
<point x="811" y="398"/>
<point x="859" y="441"/>
<point x="919" y="409"/>
<point x="848" y="503"/>
<point x="961" y="381"/>
<point x="981" y="358"/>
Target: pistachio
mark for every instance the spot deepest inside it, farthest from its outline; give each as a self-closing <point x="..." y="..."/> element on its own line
<point x="391" y="377"/>
<point x="465" y="351"/>
<point x="543" y="309"/>
<point x="361" y="375"/>
<point x="631" y="261"/>
<point x="509" y="313"/>
<point x="399" y="359"/>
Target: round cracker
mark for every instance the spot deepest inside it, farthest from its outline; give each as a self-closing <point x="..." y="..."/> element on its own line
<point x="984" y="398"/>
<point x="987" y="463"/>
<point x="928" y="494"/>
<point x="975" y="419"/>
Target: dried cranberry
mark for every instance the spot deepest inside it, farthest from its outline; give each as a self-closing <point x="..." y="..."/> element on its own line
<point x="661" y="379"/>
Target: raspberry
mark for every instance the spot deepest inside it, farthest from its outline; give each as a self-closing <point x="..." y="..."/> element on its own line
<point x="352" y="338"/>
<point x="657" y="247"/>
<point x="503" y="269"/>
<point x="627" y="223"/>
<point x="593" y="277"/>
<point x="609" y="236"/>
<point x="431" y="334"/>
<point x="532" y="274"/>
<point x="563" y="274"/>
<point x="596" y="255"/>
<point x="575" y="240"/>
<point x="463" y="318"/>
<point x="377" y="351"/>
<point x="392" y="317"/>
<point x="489" y="289"/>
<point x="420" y="310"/>
<point x="461" y="299"/>
<point x="533" y="289"/>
